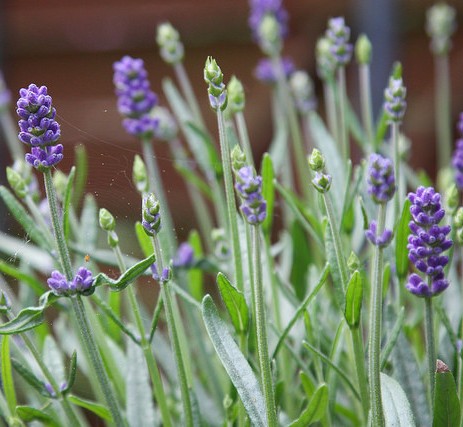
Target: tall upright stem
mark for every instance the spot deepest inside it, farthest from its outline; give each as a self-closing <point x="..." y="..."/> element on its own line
<point x="261" y="331"/>
<point x="343" y="129"/>
<point x="244" y="137"/>
<point x="365" y="104"/>
<point x="400" y="193"/>
<point x="231" y="203"/>
<point x="442" y="109"/>
<point x="430" y="347"/>
<point x="375" y="326"/>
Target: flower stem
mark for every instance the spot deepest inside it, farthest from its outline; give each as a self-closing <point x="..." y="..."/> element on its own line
<point x="96" y="361"/>
<point x="330" y="107"/>
<point x="261" y="331"/>
<point x="374" y="338"/>
<point x="8" y="127"/>
<point x="430" y="347"/>
<point x="231" y="203"/>
<point x="365" y="104"/>
<point x="442" y="109"/>
<point x="359" y="352"/>
<point x="400" y="193"/>
<point x="145" y="345"/>
<point x="174" y="337"/>
<point x="343" y="129"/>
<point x="244" y="137"/>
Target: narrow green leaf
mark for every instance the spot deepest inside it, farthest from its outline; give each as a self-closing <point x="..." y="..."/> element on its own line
<point x="315" y="409"/>
<point x="29" y="414"/>
<point x="234" y="362"/>
<point x="235" y="302"/>
<point x="29" y="317"/>
<point x="72" y="373"/>
<point x="335" y="269"/>
<point x="139" y="402"/>
<point x="143" y="239"/>
<point x="81" y="173"/>
<point x="16" y="273"/>
<point x="401" y="239"/>
<point x="307" y="384"/>
<point x="268" y="191"/>
<point x="20" y="214"/>
<point x="446" y="402"/>
<point x="96" y="408"/>
<point x="397" y="410"/>
<point x="381" y="128"/>
<point x="393" y="336"/>
<point x="67" y="202"/>
<point x="301" y="260"/>
<point x="195" y="275"/>
<point x="89" y="223"/>
<point x="30" y="377"/>
<point x="7" y="376"/>
<point x="189" y="175"/>
<point x="53" y="358"/>
<point x="127" y="277"/>
<point x="354" y="296"/>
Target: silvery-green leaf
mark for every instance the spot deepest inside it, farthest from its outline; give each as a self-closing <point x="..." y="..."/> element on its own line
<point x="397" y="410"/>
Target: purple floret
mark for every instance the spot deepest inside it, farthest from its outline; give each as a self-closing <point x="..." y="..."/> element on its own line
<point x="266" y="73"/>
<point x="249" y="189"/>
<point x="338" y="33"/>
<point x="260" y="8"/>
<point x="80" y="284"/>
<point x="381" y="181"/>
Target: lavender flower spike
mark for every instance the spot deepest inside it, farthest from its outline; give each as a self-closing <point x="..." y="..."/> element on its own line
<point x="265" y="71"/>
<point x="338" y="33"/>
<point x="249" y="189"/>
<point x="38" y="127"/>
<point x="394" y="96"/>
<point x="135" y="97"/>
<point x="184" y="258"/>
<point x="381" y="181"/>
<point x="261" y="8"/>
<point x="151" y="217"/>
<point x="80" y="284"/>
<point x="457" y="161"/>
<point x="383" y="240"/>
<point x="426" y="243"/>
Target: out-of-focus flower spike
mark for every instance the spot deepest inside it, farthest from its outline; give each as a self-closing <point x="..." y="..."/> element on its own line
<point x="440" y="25"/>
<point x="170" y="46"/>
<point x="363" y="50"/>
<point x="381" y="180"/>
<point x="302" y="88"/>
<point x="140" y="175"/>
<point x="17" y="182"/>
<point x="338" y="33"/>
<point x="213" y="76"/>
<point x="236" y="97"/>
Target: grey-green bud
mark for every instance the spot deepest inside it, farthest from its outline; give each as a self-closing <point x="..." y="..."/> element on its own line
<point x="238" y="158"/>
<point x="316" y="160"/>
<point x="452" y="198"/>
<point x="170" y="47"/>
<point x="326" y="65"/>
<point x="17" y="183"/>
<point x="302" y="89"/>
<point x="353" y="262"/>
<point x="139" y="175"/>
<point x="363" y="50"/>
<point x="213" y="75"/>
<point x="322" y="182"/>
<point x="107" y="221"/>
<point x="440" y="25"/>
<point x="269" y="35"/>
<point x="5" y="304"/>
<point x="236" y="98"/>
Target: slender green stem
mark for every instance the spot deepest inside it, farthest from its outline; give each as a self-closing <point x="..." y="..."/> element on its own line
<point x="166" y="235"/>
<point x="376" y="307"/>
<point x="153" y="369"/>
<point x="156" y="315"/>
<point x="359" y="354"/>
<point x="365" y="105"/>
<point x="173" y="333"/>
<point x="430" y="347"/>
<point x="72" y="418"/>
<point x="95" y="358"/>
<point x="231" y="203"/>
<point x="442" y="109"/>
<point x="188" y="92"/>
<point x="400" y="193"/>
<point x="342" y="100"/>
<point x="261" y="331"/>
<point x="244" y="136"/>
<point x="63" y="252"/>
<point x="330" y="107"/>
<point x="303" y="174"/>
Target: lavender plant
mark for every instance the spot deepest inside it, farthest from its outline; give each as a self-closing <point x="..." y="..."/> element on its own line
<point x="285" y="306"/>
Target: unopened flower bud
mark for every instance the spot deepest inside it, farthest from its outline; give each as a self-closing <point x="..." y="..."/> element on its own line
<point x="353" y="262"/>
<point x="139" y="175"/>
<point x="151" y="217"/>
<point x="238" y="158"/>
<point x="322" y="182"/>
<point x="170" y="47"/>
<point x="17" y="183"/>
<point x="363" y="50"/>
<point x="236" y="98"/>
<point x="452" y="198"/>
<point x="269" y="35"/>
<point x="326" y="64"/>
<point x="302" y="89"/>
<point x="107" y="221"/>
<point x="440" y="25"/>
<point x="316" y="160"/>
<point x="214" y="77"/>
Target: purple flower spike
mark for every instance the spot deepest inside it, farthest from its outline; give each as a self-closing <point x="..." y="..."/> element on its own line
<point x="426" y="243"/>
<point x="394" y="100"/>
<point x="381" y="241"/>
<point x="457" y="160"/>
<point x="260" y="8"/>
<point x="249" y="189"/>
<point x="38" y="127"/>
<point x="338" y="33"/>
<point x="265" y="72"/>
<point x="135" y="97"/>
<point x="151" y="218"/>
<point x="184" y="258"/>
<point x="80" y="284"/>
<point x="381" y="181"/>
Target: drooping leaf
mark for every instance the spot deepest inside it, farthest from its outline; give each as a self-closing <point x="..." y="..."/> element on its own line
<point x="397" y="410"/>
<point x="29" y="317"/>
<point x="315" y="409"/>
<point x="446" y="402"/>
<point x="127" y="277"/>
<point x="236" y="365"/>
<point x="235" y="302"/>
<point x="16" y="273"/>
<point x="7" y="375"/>
<point x="98" y="409"/>
<point x="139" y="402"/>
<point x="354" y="296"/>
<point x="27" y="222"/>
<point x="29" y="414"/>
<point x="268" y="191"/>
<point x="401" y="240"/>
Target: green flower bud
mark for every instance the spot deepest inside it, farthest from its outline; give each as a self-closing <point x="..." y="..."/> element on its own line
<point x="107" y="221"/>
<point x="363" y="50"/>
<point x="322" y="182"/>
<point x="440" y="25"/>
<point x="139" y="175"/>
<point x="269" y="35"/>
<point x="17" y="183"/>
<point x="316" y="160"/>
<point x="326" y="65"/>
<point x="238" y="158"/>
<point x="151" y="218"/>
<point x="452" y="198"/>
<point x="170" y="47"/>
<point x="236" y="98"/>
<point x="213" y="75"/>
<point x="60" y="181"/>
<point x="353" y="262"/>
<point x="302" y="89"/>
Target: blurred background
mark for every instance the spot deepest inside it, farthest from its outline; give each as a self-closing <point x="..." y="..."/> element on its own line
<point x="70" y="47"/>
